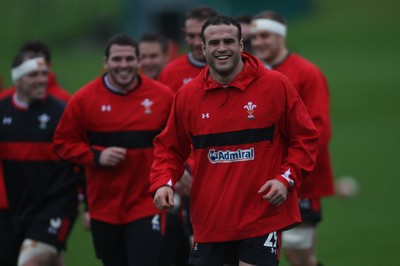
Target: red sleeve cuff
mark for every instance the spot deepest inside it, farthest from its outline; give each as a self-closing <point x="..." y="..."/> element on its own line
<point x="160" y="183"/>
<point x="284" y="181"/>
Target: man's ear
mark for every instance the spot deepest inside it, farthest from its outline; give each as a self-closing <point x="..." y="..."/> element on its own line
<point x="105" y="62"/>
<point x="241" y="45"/>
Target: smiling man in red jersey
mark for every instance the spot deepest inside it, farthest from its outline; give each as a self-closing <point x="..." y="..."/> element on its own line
<point x="109" y="126"/>
<point x="253" y="139"/>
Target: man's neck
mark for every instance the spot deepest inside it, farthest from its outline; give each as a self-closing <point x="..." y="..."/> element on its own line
<point x="280" y="56"/>
<point x="20" y="100"/>
<point x="196" y="62"/>
<point x="226" y="79"/>
<point x="112" y="86"/>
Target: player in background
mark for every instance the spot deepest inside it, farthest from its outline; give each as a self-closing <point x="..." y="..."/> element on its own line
<point x="253" y="140"/>
<point x="57" y="91"/>
<point x="184" y="68"/>
<point x="53" y="88"/>
<point x="154" y="56"/>
<point x="108" y="126"/>
<point x="175" y="248"/>
<point x="42" y="201"/>
<point x="268" y="36"/>
<point x="245" y="21"/>
<point x="179" y="72"/>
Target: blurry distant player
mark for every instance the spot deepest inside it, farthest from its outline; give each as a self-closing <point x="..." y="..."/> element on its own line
<point x="181" y="71"/>
<point x="53" y="88"/>
<point x="176" y="246"/>
<point x="41" y="190"/>
<point x="268" y="36"/>
<point x="186" y="67"/>
<point x="109" y="126"/>
<point x="245" y="21"/>
<point x="153" y="49"/>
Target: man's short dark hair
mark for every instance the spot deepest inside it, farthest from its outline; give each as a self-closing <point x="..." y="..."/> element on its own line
<point x="218" y="20"/>
<point x="157" y="38"/>
<point x="271" y="15"/>
<point x="23" y="56"/>
<point x="121" y="39"/>
<point x="244" y="18"/>
<point x="37" y="47"/>
<point x="201" y="13"/>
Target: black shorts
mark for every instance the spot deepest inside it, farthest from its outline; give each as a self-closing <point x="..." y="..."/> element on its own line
<point x="310" y="210"/>
<point x="53" y="231"/>
<point x="135" y="243"/>
<point x="263" y="250"/>
<point x="10" y="243"/>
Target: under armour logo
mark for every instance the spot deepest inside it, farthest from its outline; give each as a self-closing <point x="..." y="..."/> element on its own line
<point x="207" y="115"/>
<point x="7" y="120"/>
<point x="186" y="80"/>
<point x="106" y="108"/>
<point x="273" y="250"/>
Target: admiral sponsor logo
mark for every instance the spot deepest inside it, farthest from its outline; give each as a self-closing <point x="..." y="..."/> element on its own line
<point x="230" y="156"/>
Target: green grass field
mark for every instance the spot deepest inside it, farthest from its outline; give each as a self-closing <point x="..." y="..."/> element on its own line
<point x="356" y="44"/>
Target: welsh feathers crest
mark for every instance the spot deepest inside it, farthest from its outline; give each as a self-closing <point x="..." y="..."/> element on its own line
<point x="250" y="109"/>
<point x="147" y="103"/>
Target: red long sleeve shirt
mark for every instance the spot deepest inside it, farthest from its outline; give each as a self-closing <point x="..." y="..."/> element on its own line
<point x="312" y="87"/>
<point x="97" y="117"/>
<point x="180" y="71"/>
<point x="245" y="133"/>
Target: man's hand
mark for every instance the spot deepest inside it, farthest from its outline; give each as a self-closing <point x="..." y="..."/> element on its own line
<point x="182" y="187"/>
<point x="86" y="220"/>
<point x="276" y="192"/>
<point x="112" y="156"/>
<point x="164" y="198"/>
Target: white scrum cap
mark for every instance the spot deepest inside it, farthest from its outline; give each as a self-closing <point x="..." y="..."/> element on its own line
<point x="268" y="25"/>
<point x="27" y="67"/>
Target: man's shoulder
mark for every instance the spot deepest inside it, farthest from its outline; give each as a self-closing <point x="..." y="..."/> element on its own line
<point x="180" y="65"/>
<point x="177" y="62"/>
<point x="55" y="102"/>
<point x="273" y="76"/>
<point x="302" y="63"/>
<point x="156" y="85"/>
<point x="6" y="100"/>
<point x="7" y="92"/>
<point x="89" y="87"/>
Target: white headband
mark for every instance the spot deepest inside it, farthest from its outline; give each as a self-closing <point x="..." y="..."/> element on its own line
<point x="26" y="67"/>
<point x="269" y="25"/>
